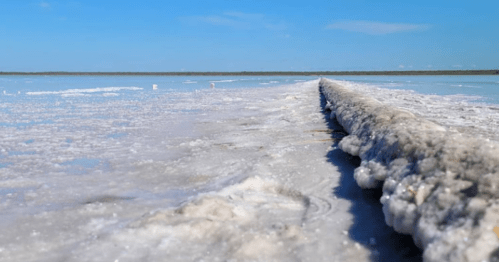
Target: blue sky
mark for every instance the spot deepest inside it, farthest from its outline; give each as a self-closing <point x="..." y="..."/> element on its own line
<point x="247" y="35"/>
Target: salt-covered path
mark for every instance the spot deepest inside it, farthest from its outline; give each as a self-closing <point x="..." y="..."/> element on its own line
<point x="262" y="180"/>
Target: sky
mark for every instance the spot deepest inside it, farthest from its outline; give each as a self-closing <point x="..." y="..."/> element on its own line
<point x="248" y="35"/>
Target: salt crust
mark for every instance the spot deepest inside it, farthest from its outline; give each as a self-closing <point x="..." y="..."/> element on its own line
<point x="228" y="215"/>
<point x="438" y="186"/>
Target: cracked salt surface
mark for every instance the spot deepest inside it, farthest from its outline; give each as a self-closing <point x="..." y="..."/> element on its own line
<point x="210" y="174"/>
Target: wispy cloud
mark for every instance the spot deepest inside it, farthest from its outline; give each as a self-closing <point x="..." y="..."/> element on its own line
<point x="44" y="5"/>
<point x="218" y="20"/>
<point x="245" y="16"/>
<point x="376" y="28"/>
<point x="238" y="20"/>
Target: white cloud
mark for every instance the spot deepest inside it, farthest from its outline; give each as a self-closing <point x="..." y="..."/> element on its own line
<point x="401" y="66"/>
<point x="44" y="5"/>
<point x="457" y="66"/>
<point x="220" y="20"/>
<point x="238" y="20"/>
<point x="245" y="16"/>
<point x="376" y="28"/>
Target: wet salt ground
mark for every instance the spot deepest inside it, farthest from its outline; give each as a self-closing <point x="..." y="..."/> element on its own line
<point x="482" y="89"/>
<point x="471" y="113"/>
<point x="257" y="177"/>
<point x="89" y="177"/>
<point x="83" y="179"/>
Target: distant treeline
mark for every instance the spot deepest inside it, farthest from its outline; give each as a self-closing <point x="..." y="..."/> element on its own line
<point x="263" y="73"/>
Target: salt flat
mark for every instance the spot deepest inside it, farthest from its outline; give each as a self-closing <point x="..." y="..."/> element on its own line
<point x="257" y="178"/>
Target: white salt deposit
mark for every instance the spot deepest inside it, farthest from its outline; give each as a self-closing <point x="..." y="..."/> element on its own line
<point x="213" y="174"/>
<point x="81" y="91"/>
<point x="455" y="112"/>
<point x="226" y="80"/>
<point x="439" y="184"/>
<point x="127" y="174"/>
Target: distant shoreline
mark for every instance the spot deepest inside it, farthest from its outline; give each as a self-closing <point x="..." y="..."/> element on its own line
<point x="263" y="73"/>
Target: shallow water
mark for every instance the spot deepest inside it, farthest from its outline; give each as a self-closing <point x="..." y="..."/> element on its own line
<point x="483" y="89"/>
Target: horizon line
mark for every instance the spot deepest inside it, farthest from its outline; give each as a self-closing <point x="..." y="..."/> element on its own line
<point x="283" y="73"/>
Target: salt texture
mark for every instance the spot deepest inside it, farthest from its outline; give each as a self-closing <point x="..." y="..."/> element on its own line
<point x="212" y="174"/>
<point x="439" y="184"/>
<point x="80" y="91"/>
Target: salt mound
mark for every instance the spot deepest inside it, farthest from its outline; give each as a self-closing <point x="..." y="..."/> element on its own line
<point x="438" y="186"/>
<point x="242" y="222"/>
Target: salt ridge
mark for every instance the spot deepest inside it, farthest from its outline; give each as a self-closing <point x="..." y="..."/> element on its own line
<point x="439" y="186"/>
